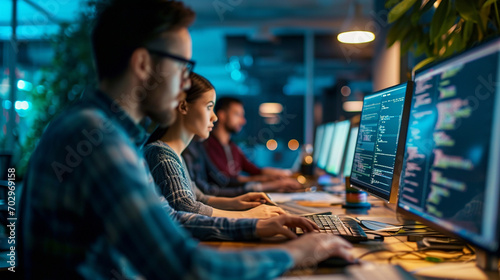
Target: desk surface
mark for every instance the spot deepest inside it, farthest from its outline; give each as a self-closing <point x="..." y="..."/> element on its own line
<point x="394" y="249"/>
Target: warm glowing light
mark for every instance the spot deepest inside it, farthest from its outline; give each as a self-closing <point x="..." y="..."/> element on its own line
<point x="308" y="159"/>
<point x="345" y="91"/>
<point x="356" y="37"/>
<point x="293" y="144"/>
<point x="301" y="179"/>
<point x="353" y="106"/>
<point x="266" y="109"/>
<point x="272" y="144"/>
<point x="436" y="4"/>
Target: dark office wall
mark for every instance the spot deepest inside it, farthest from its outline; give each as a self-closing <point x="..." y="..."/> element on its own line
<point x="256" y="131"/>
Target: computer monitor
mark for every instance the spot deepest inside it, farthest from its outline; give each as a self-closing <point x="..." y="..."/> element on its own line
<point x="349" y="153"/>
<point x="326" y="144"/>
<point x="382" y="131"/>
<point x="451" y="167"/>
<point x="318" y="141"/>
<point x="337" y="148"/>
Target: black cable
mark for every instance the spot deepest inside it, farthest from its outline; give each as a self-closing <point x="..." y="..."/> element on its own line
<point x="404" y="254"/>
<point x="430" y="258"/>
<point x="471" y="249"/>
<point x="426" y="257"/>
<point x="378" y="251"/>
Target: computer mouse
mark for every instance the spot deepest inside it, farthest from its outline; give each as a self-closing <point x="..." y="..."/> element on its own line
<point x="336" y="262"/>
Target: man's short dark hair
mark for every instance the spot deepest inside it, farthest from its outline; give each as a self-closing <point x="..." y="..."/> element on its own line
<point x="223" y="103"/>
<point x="122" y="26"/>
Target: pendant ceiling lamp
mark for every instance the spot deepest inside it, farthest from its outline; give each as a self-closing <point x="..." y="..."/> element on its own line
<point x="354" y="30"/>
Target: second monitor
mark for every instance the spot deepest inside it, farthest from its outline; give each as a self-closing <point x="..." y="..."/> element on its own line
<point x="376" y="166"/>
<point x="337" y="148"/>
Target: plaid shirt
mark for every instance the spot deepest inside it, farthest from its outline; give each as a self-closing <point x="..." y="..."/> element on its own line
<point x="89" y="208"/>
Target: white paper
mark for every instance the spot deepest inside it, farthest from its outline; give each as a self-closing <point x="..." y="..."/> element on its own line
<point x="306" y="196"/>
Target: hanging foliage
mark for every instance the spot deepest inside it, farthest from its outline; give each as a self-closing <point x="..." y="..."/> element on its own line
<point x="439" y="28"/>
<point x="63" y="81"/>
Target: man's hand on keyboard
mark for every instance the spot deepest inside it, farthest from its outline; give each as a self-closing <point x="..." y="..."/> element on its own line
<point x="315" y="247"/>
<point x="275" y="225"/>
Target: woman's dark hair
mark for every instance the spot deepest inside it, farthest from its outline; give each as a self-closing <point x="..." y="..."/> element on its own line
<point x="199" y="85"/>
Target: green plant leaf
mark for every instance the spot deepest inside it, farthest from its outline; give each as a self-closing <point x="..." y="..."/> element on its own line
<point x="399" y="10"/>
<point x="468" y="10"/>
<point x="398" y="31"/>
<point x="392" y="36"/>
<point x="428" y="5"/>
<point x="422" y="46"/>
<point x="423" y="63"/>
<point x="489" y="2"/>
<point x="71" y="68"/>
<point x="467" y="30"/>
<point x="390" y="3"/>
<point x="484" y="13"/>
<point x="466" y="33"/>
<point x="452" y="44"/>
<point x="415" y="18"/>
<point x="408" y="42"/>
<point x="450" y="20"/>
<point x="497" y="25"/>
<point x="440" y="16"/>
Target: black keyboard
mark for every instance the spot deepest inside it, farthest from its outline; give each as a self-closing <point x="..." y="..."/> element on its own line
<point x="347" y="228"/>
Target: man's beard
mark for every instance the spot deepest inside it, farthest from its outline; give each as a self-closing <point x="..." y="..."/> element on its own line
<point x="232" y="130"/>
<point x="162" y="117"/>
<point x="165" y="118"/>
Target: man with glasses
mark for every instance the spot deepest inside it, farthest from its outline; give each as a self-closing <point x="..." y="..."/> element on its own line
<point x="89" y="208"/>
<point x="187" y="65"/>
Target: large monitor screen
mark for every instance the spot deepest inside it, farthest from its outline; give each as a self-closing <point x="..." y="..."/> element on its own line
<point x="451" y="170"/>
<point x="318" y="141"/>
<point x="349" y="153"/>
<point x="337" y="148"/>
<point x="374" y="167"/>
<point x="326" y="144"/>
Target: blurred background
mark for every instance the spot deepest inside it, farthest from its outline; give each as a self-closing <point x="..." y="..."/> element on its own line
<point x="281" y="58"/>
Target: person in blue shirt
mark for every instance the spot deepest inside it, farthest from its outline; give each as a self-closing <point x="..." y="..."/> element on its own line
<point x="208" y="178"/>
<point x="89" y="207"/>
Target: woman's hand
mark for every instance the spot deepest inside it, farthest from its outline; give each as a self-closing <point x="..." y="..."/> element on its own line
<point x="250" y="200"/>
<point x="263" y="212"/>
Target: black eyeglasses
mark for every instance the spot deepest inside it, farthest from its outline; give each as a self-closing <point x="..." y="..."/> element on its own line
<point x="188" y="65"/>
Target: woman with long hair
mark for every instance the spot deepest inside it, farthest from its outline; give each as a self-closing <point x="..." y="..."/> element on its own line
<point x="195" y="116"/>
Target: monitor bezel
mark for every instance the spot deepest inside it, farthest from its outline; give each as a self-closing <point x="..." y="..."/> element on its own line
<point x="432" y="224"/>
<point x="393" y="193"/>
<point x="347" y="149"/>
<point x="325" y="148"/>
<point x="317" y="149"/>
<point x="343" y="152"/>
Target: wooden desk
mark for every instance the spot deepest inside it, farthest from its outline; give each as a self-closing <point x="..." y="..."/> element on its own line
<point x="421" y="268"/>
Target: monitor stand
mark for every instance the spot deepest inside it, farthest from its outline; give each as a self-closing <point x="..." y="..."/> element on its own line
<point x="485" y="261"/>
